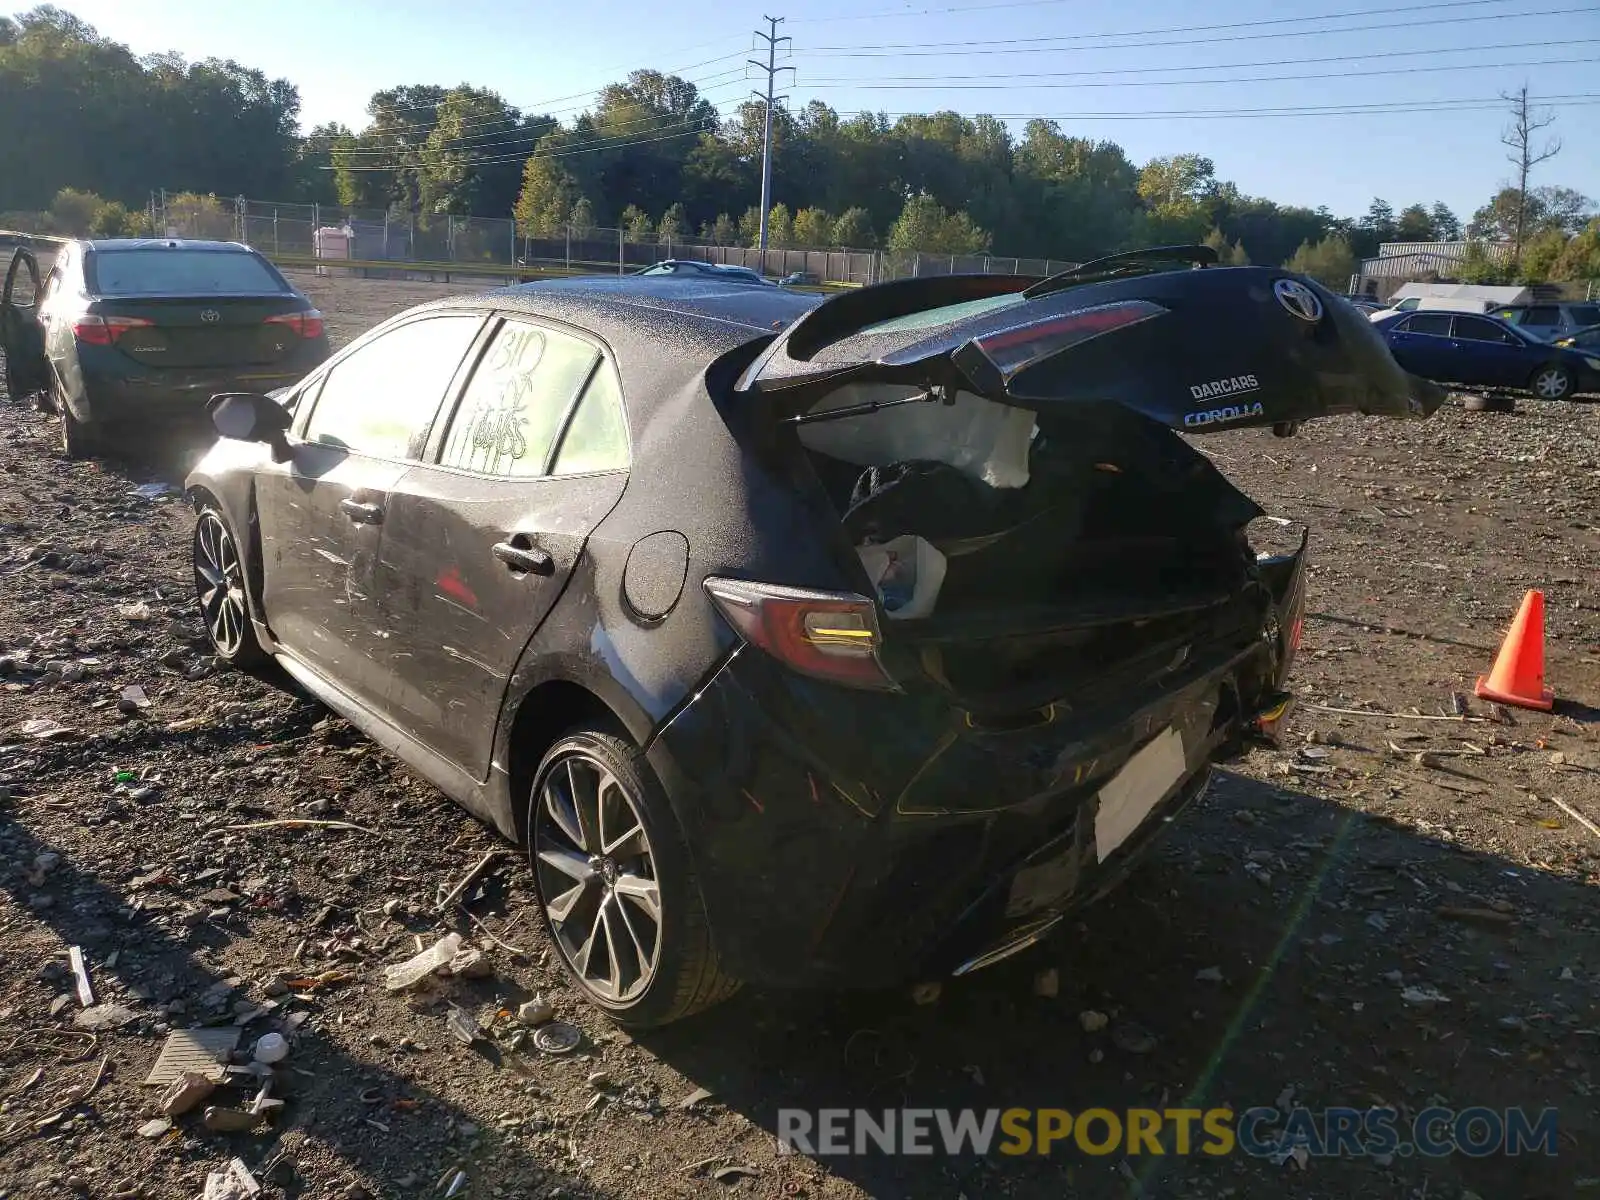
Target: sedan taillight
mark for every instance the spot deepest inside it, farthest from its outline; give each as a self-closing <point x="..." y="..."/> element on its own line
<point x="307" y="324"/>
<point x="91" y="329"/>
<point x="826" y="635"/>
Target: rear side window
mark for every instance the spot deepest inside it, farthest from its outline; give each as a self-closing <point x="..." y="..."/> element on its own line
<point x="1585" y="314"/>
<point x="597" y="439"/>
<point x="1547" y="314"/>
<point x="181" y="273"/>
<point x="381" y="400"/>
<point x="1437" y="324"/>
<point x="512" y="409"/>
<point x="1476" y="329"/>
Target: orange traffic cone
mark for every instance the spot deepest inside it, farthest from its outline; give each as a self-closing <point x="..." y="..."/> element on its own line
<point x="1518" y="674"/>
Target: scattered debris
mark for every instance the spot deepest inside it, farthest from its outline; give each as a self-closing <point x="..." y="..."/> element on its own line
<point x="1424" y="995"/>
<point x="290" y="823"/>
<point x="201" y="1052"/>
<point x="233" y="1183"/>
<point x="46" y="729"/>
<point x="463" y="1026"/>
<point x="733" y="1172"/>
<point x="471" y="963"/>
<point x="414" y="970"/>
<point x="1132" y="1038"/>
<point x="926" y="993"/>
<point x="103" y="1017"/>
<point x="536" y="1011"/>
<point x="229" y="1120"/>
<point x="80" y="975"/>
<point x="1476" y="916"/>
<point x="270" y="1048"/>
<point x="155" y="1128"/>
<point x="694" y="1098"/>
<point x="1093" y="1022"/>
<point x="1576" y="815"/>
<point x="1047" y="983"/>
<point x="557" y="1037"/>
<point x="478" y="871"/>
<point x="1209" y="975"/>
<point x="186" y="1092"/>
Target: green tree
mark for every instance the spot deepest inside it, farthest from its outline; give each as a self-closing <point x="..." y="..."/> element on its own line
<point x="924" y="226"/>
<point x="637" y="226"/>
<point x="813" y="227"/>
<point x="1229" y="254"/>
<point x="581" y="218"/>
<point x="724" y="231"/>
<point x="780" y="228"/>
<point x="1580" y="259"/>
<point x="1415" y="224"/>
<point x="1541" y="254"/>
<point x="1446" y="225"/>
<point x="545" y="203"/>
<point x="750" y="227"/>
<point x="853" y="229"/>
<point x="1330" y="262"/>
<point x="674" y="227"/>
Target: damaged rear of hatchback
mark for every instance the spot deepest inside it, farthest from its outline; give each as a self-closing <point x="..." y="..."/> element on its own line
<point x="1058" y="619"/>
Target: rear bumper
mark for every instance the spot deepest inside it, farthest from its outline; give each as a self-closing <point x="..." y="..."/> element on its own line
<point x="839" y="846"/>
<point x="119" y="393"/>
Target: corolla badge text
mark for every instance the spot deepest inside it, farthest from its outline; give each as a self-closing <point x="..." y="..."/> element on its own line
<point x="1222" y="416"/>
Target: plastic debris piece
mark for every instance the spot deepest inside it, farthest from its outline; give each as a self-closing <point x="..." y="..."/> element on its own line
<point x="414" y="970"/>
<point x="155" y="1128"/>
<point x="270" y="1048"/>
<point x="198" y="1051"/>
<point x="557" y="1037"/>
<point x="536" y="1011"/>
<point x="80" y="975"/>
<point x="1424" y="995"/>
<point x="463" y="1026"/>
<point x="233" y="1183"/>
<point x="1093" y="1022"/>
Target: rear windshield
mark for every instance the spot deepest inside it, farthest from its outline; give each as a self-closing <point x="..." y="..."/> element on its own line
<point x="181" y="273"/>
<point x="930" y="318"/>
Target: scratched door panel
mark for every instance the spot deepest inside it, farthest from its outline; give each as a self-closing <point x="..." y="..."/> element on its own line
<point x="321" y="525"/>
<point x="455" y="617"/>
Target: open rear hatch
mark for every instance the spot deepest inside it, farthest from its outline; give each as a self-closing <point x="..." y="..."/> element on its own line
<point x="1002" y="459"/>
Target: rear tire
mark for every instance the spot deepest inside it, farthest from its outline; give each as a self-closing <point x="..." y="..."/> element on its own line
<point x="609" y="862"/>
<point x="77" y="439"/>
<point x="1551" y="382"/>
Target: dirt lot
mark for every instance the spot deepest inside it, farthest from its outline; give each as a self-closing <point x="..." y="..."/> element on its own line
<point x="1340" y="923"/>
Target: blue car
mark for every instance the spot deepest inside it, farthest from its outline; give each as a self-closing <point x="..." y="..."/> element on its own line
<point x="1479" y="351"/>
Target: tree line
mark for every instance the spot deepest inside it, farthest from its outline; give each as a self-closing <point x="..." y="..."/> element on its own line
<point x="654" y="157"/>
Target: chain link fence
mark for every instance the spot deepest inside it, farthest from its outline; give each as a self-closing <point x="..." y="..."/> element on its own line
<point x="429" y="245"/>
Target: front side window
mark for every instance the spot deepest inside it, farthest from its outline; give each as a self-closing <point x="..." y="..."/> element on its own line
<point x="512" y="409"/>
<point x="381" y="400"/>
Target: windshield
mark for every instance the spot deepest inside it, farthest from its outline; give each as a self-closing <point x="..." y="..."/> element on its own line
<point x="181" y="273"/>
<point x="947" y="315"/>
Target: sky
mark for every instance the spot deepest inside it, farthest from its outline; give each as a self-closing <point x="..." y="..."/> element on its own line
<point x="1428" y="74"/>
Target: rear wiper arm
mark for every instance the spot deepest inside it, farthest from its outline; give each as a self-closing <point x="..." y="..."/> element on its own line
<point x="1129" y="262"/>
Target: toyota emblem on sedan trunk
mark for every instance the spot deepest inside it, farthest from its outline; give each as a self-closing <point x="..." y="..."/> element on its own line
<point x="1298" y="300"/>
<point x="210" y="316"/>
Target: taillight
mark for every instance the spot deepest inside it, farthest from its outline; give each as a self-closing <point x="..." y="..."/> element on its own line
<point x="826" y="635"/>
<point x="1008" y="352"/>
<point x="94" y="330"/>
<point x="307" y="324"/>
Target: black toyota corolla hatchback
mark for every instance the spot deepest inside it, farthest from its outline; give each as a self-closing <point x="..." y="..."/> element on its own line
<point x="131" y="337"/>
<point x="841" y="643"/>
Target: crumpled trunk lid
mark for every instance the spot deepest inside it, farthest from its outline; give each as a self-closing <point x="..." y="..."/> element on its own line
<point x="1196" y="349"/>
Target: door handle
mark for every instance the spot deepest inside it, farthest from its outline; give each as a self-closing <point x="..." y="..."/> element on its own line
<point x="527" y="559"/>
<point x="362" y="514"/>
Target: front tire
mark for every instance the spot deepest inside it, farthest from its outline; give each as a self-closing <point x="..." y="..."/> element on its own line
<point x="219" y="586"/>
<point x="1553" y="382"/>
<point x="620" y="900"/>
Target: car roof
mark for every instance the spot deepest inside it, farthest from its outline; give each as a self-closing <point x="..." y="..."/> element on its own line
<point x="211" y="247"/>
<point x="663" y="332"/>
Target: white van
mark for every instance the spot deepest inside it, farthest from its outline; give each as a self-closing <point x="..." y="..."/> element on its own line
<point x="1436" y="303"/>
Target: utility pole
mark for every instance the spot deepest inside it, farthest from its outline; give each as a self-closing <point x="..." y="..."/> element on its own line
<point x="1524" y="156"/>
<point x="771" y="68"/>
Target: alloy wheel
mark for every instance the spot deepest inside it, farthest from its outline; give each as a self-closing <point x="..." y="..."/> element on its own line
<point x="219" y="585"/>
<point x="597" y="876"/>
<point x="1551" y="383"/>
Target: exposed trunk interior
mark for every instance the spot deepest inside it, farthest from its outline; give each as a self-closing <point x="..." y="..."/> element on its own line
<point x="1084" y="543"/>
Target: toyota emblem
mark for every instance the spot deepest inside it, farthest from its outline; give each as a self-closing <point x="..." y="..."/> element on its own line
<point x="1298" y="300"/>
<point x="211" y="316"/>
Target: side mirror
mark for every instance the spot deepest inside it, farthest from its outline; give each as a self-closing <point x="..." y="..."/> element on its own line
<point x="252" y="417"/>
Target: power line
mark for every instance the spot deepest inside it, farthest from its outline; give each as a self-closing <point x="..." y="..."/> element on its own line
<point x="930" y="12"/>
<point x="858" y="85"/>
<point x="1235" y="66"/>
<point x="1380" y="108"/>
<point x="598" y="144"/>
<point x="1030" y="45"/>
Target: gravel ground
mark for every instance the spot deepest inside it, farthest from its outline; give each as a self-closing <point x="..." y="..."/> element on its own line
<point x="1348" y="921"/>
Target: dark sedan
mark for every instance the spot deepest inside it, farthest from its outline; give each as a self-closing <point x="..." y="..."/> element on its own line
<point x="863" y="650"/>
<point x="693" y="268"/>
<point x="1481" y="351"/>
<point x="134" y="336"/>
